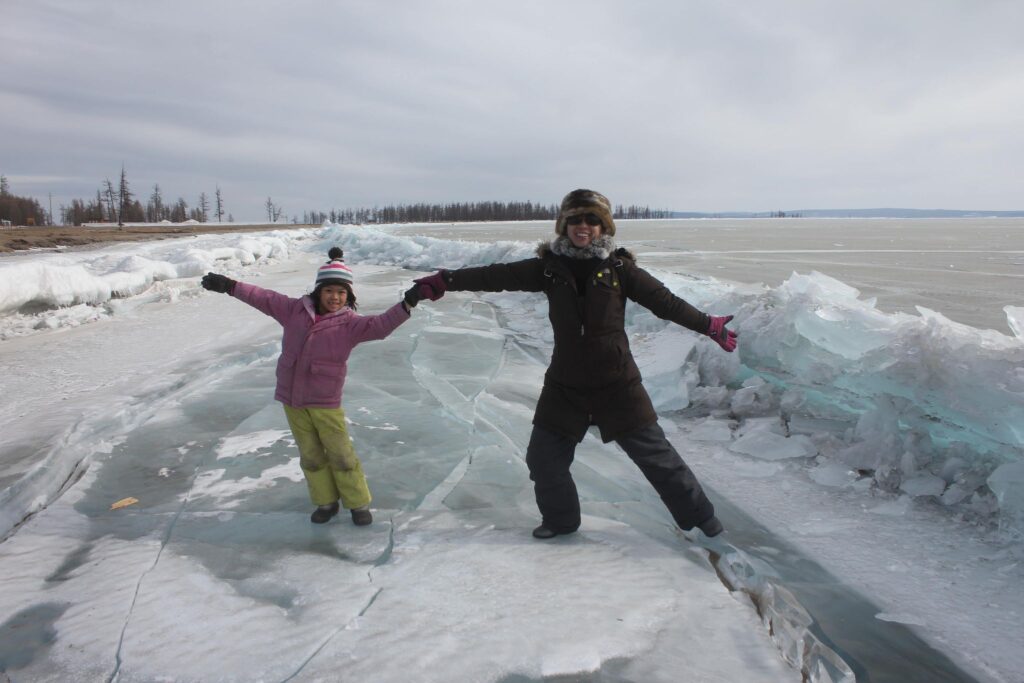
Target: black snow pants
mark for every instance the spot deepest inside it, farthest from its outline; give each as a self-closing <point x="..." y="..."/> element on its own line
<point x="550" y="454"/>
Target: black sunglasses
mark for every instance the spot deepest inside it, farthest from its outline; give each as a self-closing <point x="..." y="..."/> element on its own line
<point x="590" y="218"/>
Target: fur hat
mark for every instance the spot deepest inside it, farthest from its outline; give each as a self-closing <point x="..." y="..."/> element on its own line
<point x="334" y="272"/>
<point x="586" y="201"/>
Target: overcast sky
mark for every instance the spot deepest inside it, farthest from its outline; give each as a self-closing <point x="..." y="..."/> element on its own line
<point x="677" y="104"/>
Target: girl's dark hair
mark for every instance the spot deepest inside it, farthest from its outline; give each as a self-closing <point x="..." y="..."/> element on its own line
<point x="350" y="301"/>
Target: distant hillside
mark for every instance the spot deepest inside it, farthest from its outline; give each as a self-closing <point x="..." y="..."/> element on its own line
<point x="853" y="213"/>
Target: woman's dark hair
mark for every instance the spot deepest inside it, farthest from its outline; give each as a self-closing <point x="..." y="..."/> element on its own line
<point x="350" y="301"/>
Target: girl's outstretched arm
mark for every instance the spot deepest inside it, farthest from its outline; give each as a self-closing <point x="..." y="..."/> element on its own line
<point x="278" y="306"/>
<point x="370" y="327"/>
<point x="267" y="301"/>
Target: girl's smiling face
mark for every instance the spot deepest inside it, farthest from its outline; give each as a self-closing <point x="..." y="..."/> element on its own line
<point x="333" y="298"/>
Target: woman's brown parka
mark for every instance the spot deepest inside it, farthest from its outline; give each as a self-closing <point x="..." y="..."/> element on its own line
<point x="592" y="378"/>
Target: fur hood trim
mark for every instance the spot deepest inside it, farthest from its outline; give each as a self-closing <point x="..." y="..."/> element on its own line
<point x="544" y="249"/>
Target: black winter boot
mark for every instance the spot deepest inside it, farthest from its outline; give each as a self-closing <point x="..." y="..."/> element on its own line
<point x="323" y="513"/>
<point x="546" y="532"/>
<point x="362" y="516"/>
<point x="711" y="527"/>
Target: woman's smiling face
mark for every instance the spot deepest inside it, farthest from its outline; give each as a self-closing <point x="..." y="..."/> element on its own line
<point x="583" y="229"/>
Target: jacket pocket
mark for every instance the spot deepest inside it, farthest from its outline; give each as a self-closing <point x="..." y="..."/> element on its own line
<point x="605" y="310"/>
<point x="325" y="380"/>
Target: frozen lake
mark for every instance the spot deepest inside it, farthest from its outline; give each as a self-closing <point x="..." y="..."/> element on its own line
<point x="846" y="448"/>
<point x="967" y="269"/>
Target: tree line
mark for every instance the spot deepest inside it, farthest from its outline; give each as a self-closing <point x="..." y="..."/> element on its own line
<point x="19" y="210"/>
<point x="113" y="203"/>
<point x="119" y="204"/>
<point x="462" y="212"/>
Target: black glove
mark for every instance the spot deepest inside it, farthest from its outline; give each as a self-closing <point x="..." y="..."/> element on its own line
<point x="412" y="296"/>
<point x="218" y="283"/>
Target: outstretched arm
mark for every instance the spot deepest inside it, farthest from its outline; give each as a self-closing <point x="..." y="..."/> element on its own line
<point x="518" y="276"/>
<point x="278" y="306"/>
<point x="651" y="293"/>
<point x="371" y="327"/>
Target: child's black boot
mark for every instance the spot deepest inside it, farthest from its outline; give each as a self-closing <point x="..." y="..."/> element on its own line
<point x="361" y="516"/>
<point x="323" y="513"/>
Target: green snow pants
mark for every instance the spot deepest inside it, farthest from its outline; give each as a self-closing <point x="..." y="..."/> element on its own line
<point x="327" y="458"/>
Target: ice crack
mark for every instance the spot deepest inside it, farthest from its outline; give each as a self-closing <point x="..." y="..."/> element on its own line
<point x="138" y="585"/>
<point x="330" y="636"/>
<point x="789" y="624"/>
<point x="385" y="554"/>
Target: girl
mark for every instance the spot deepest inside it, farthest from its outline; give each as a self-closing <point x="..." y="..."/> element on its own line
<point x="320" y="331"/>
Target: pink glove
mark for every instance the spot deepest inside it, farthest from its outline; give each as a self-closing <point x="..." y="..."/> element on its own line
<point x="723" y="337"/>
<point x="433" y="286"/>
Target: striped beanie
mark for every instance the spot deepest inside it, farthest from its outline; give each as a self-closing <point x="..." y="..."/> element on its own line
<point x="334" y="272"/>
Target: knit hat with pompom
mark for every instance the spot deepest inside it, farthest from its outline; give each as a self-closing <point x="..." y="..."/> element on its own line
<point x="334" y="272"/>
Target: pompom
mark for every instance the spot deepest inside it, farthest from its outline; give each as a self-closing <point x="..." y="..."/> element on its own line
<point x="335" y="254"/>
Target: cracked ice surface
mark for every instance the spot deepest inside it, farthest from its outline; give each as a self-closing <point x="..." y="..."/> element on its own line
<point x="826" y="439"/>
<point x="217" y="574"/>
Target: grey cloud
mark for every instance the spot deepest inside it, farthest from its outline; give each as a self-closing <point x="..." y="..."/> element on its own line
<point x="685" y="105"/>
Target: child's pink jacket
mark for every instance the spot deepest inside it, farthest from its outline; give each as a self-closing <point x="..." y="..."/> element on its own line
<point x="314" y="355"/>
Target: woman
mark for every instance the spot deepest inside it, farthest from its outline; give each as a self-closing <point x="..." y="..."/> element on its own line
<point x="592" y="378"/>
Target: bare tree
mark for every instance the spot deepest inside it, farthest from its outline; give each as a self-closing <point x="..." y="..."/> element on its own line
<point x="110" y="198"/>
<point x="124" y="197"/>
<point x="220" y="206"/>
<point x="273" y="211"/>
<point x="204" y="208"/>
<point x="155" y="208"/>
